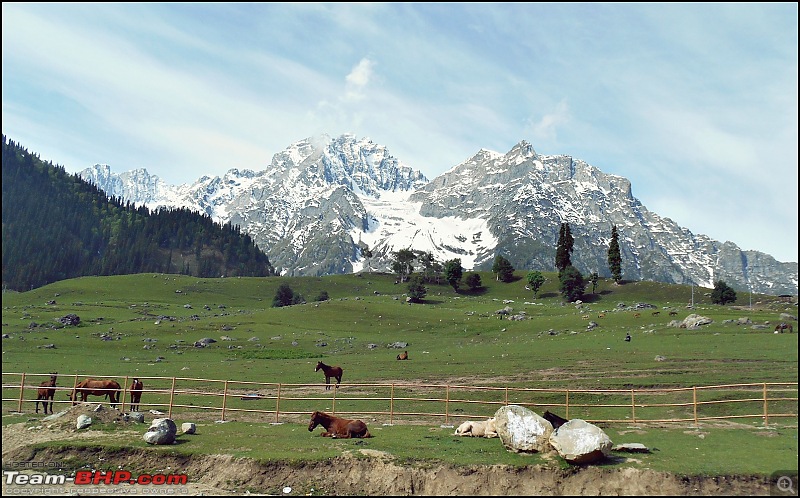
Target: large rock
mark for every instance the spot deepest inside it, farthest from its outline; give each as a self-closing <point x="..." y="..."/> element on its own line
<point x="161" y="431"/>
<point x="83" y="421"/>
<point x="694" y="321"/>
<point x="521" y="430"/>
<point x="580" y="442"/>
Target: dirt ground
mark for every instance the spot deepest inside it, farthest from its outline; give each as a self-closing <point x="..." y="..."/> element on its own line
<point x="348" y="474"/>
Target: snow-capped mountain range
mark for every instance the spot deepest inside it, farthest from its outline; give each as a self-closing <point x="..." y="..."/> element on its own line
<point x="322" y="202"/>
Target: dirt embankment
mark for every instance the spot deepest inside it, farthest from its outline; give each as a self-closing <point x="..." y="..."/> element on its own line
<point x="367" y="473"/>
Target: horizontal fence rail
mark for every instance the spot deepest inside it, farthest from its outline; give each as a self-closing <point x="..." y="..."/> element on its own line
<point x="280" y="402"/>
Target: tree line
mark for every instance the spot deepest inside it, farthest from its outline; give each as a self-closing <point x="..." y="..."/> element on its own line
<point x="572" y="283"/>
<point x="58" y="226"/>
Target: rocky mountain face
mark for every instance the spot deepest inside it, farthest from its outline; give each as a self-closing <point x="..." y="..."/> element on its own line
<point x="323" y="201"/>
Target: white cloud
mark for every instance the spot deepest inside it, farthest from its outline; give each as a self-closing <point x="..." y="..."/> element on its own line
<point x="358" y="79"/>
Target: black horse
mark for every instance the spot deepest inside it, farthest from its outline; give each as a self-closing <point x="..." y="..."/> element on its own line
<point x="554" y="419"/>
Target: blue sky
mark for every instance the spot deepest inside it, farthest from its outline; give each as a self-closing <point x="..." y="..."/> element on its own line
<point x="696" y="104"/>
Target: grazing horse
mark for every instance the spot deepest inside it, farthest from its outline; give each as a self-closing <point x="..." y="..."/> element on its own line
<point x="329" y="372"/>
<point x="136" y="394"/>
<point x="784" y="326"/>
<point x="95" y="387"/>
<point x="339" y="428"/>
<point x="554" y="419"/>
<point x="403" y="355"/>
<point x="47" y="391"/>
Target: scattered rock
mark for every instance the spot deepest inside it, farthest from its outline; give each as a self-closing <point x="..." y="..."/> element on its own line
<point x="83" y="422"/>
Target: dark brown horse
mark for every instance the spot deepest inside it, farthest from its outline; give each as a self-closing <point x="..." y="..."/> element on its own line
<point x="95" y="387"/>
<point x="329" y="372"/>
<point x="784" y="326"/>
<point x="340" y="428"/>
<point x="136" y="394"/>
<point x="47" y="391"/>
<point x="554" y="419"/>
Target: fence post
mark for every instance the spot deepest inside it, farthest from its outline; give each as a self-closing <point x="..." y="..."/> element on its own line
<point x="694" y="404"/>
<point x="171" y="397"/>
<point x="224" y="399"/>
<point x="506" y="396"/>
<point x="124" y="390"/>
<point x="333" y="403"/>
<point x="633" y="407"/>
<point x="566" y="404"/>
<point x="21" y="392"/>
<point x="447" y="404"/>
<point x="391" y="406"/>
<point x="766" y="412"/>
<point x="278" y="404"/>
<point x="74" y="391"/>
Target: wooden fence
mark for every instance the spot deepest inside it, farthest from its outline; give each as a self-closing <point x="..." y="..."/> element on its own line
<point x="280" y="402"/>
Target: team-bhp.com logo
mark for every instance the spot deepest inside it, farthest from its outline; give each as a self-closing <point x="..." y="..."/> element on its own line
<point x="94" y="477"/>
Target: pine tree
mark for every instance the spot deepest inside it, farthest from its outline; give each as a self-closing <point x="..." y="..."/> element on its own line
<point x="614" y="256"/>
<point x="564" y="247"/>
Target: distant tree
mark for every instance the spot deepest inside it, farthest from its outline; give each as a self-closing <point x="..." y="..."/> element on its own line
<point x="322" y="296"/>
<point x="535" y="281"/>
<point x="416" y="289"/>
<point x="571" y="283"/>
<point x="453" y="273"/>
<point x="722" y="293"/>
<point x="502" y="267"/>
<point x="564" y="247"/>
<point x="283" y="297"/>
<point x="593" y="278"/>
<point x="402" y="263"/>
<point x="367" y="253"/>
<point x="473" y="281"/>
<point x="614" y="256"/>
<point x="430" y="268"/>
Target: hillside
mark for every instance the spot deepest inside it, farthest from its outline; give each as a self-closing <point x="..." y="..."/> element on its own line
<point x="57" y="226"/>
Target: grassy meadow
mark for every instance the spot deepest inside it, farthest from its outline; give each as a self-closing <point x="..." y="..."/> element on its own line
<point x="146" y="325"/>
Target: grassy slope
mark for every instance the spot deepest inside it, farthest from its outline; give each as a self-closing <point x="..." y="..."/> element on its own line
<point x="454" y="338"/>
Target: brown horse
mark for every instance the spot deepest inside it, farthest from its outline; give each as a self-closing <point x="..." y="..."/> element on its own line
<point x="95" y="387"/>
<point x="784" y="326"/>
<point x="47" y="391"/>
<point x="329" y="372"/>
<point x="403" y="355"/>
<point x="136" y="394"/>
<point x="340" y="428"/>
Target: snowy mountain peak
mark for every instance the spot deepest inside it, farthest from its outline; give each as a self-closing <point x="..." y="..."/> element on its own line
<point x="323" y="201"/>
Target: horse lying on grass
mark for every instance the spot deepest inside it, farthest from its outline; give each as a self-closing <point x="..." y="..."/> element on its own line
<point x="483" y="428"/>
<point x="339" y="428"/>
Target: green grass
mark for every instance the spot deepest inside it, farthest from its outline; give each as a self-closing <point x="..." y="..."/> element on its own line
<point x="702" y="451"/>
<point x="453" y="338"/>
